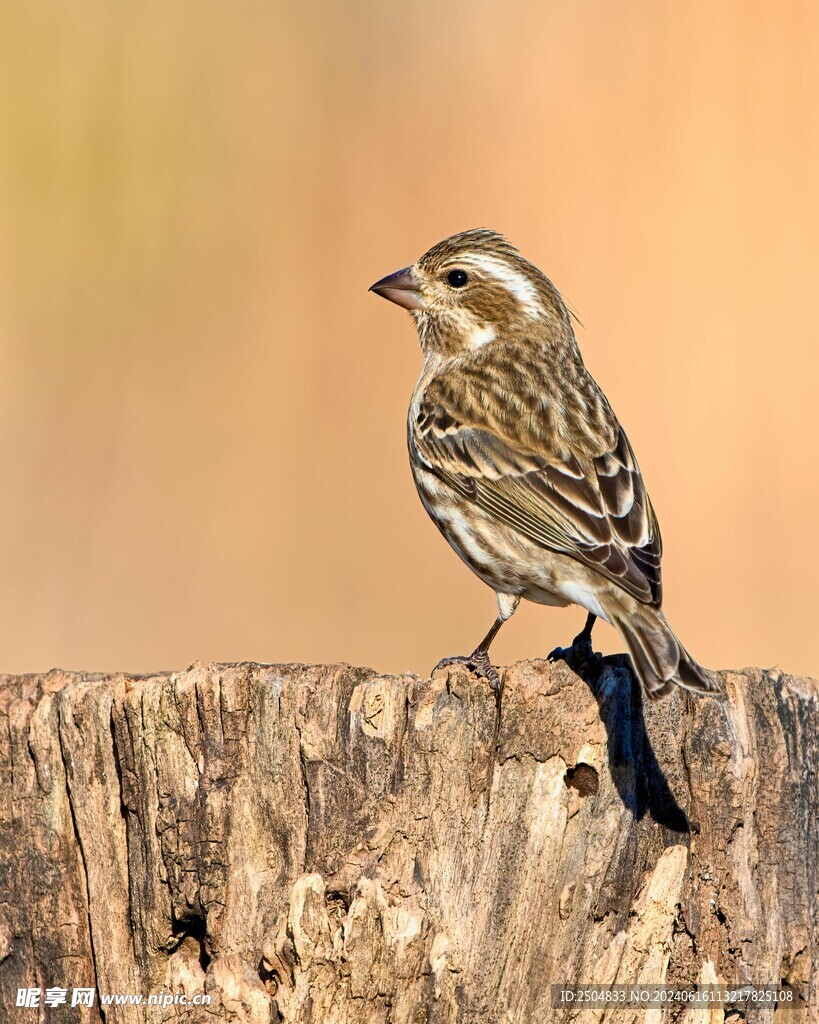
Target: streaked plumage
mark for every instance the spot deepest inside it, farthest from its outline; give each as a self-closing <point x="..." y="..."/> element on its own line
<point x="519" y="458"/>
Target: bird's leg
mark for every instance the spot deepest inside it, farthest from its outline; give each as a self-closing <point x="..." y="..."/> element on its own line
<point x="478" y="661"/>
<point x="581" y="648"/>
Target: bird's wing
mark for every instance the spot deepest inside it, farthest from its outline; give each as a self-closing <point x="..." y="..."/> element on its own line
<point x="568" y="488"/>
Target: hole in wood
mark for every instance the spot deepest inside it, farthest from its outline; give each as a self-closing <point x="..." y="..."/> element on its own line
<point x="583" y="778"/>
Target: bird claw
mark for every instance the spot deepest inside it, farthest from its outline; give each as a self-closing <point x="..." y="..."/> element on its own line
<point x="478" y="664"/>
<point x="579" y="653"/>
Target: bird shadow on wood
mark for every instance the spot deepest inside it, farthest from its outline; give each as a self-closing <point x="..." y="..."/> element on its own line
<point x="637" y="775"/>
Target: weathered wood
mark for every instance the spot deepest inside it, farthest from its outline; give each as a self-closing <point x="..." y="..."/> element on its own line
<point x="312" y="844"/>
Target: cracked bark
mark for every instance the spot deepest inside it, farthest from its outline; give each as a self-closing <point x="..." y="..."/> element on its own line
<point x="310" y="844"/>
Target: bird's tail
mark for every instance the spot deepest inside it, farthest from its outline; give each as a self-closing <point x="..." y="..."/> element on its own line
<point x="660" y="660"/>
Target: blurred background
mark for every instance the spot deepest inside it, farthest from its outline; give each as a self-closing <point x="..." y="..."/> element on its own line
<point x="202" y="410"/>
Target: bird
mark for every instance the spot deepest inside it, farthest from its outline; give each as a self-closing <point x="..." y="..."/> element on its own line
<point x="521" y="462"/>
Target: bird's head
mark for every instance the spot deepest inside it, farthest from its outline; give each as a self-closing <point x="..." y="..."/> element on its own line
<point x="475" y="288"/>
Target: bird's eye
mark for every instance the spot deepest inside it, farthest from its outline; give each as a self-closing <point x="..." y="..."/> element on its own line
<point x="457" y="278"/>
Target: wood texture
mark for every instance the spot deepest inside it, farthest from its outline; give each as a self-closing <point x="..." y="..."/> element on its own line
<point x="311" y="844"/>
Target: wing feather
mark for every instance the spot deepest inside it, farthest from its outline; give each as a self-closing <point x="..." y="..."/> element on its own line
<point x="592" y="506"/>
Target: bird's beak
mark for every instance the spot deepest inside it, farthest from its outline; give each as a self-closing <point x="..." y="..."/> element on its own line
<point x="402" y="287"/>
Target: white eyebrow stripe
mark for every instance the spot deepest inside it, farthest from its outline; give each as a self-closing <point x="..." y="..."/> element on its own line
<point x="513" y="280"/>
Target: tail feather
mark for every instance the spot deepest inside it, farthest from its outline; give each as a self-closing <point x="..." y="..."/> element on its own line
<point x="660" y="660"/>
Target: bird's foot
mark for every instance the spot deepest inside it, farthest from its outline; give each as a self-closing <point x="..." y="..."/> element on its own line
<point x="579" y="653"/>
<point x="478" y="663"/>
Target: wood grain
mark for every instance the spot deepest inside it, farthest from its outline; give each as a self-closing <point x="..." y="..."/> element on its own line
<point x="321" y="843"/>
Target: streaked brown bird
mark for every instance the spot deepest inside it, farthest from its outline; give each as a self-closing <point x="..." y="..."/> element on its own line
<point x="520" y="461"/>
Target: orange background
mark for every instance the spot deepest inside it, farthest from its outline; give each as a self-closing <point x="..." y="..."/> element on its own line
<point x="202" y="447"/>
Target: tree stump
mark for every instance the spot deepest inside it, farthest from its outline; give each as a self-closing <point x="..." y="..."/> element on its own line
<point x="308" y="843"/>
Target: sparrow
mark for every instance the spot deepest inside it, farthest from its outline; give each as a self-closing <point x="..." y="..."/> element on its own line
<point x="521" y="462"/>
